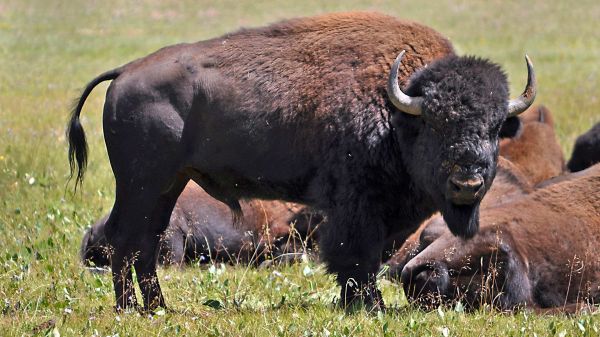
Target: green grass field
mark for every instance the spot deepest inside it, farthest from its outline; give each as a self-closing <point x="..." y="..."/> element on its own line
<point x="51" y="49"/>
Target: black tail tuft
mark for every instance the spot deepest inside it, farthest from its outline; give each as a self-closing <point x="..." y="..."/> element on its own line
<point x="78" y="148"/>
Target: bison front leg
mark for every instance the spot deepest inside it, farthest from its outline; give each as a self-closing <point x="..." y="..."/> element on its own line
<point x="352" y="250"/>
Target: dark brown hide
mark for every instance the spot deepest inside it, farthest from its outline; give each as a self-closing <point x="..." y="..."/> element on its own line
<point x="201" y="229"/>
<point x="540" y="251"/>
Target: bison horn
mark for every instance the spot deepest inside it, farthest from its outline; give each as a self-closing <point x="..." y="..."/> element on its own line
<point x="405" y="103"/>
<point x="521" y="103"/>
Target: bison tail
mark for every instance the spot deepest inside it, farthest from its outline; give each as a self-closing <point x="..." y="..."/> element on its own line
<point x="77" y="143"/>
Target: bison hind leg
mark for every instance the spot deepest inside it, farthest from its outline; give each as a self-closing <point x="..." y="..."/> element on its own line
<point x="134" y="229"/>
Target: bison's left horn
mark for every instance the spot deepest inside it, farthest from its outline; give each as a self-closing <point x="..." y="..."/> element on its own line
<point x="410" y="105"/>
<point x="521" y="103"/>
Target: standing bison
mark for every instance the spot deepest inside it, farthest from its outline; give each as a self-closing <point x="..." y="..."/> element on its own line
<point x="306" y="110"/>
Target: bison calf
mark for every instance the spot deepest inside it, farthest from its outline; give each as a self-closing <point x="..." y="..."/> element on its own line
<point x="201" y="228"/>
<point x="539" y="251"/>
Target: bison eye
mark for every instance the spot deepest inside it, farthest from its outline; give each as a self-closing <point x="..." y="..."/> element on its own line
<point x="436" y="128"/>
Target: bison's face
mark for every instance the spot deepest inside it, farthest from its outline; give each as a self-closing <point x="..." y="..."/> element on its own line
<point x="457" y="147"/>
<point x="94" y="248"/>
<point x="451" y="269"/>
<point x="486" y="269"/>
<point x="455" y="109"/>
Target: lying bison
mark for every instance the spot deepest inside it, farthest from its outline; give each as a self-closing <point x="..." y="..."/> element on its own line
<point x="535" y="150"/>
<point x="586" y="151"/>
<point x="306" y="110"/>
<point x="201" y="229"/>
<point x="539" y="251"/>
<point x="527" y="158"/>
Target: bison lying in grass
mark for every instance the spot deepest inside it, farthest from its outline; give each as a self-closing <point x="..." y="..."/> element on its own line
<point x="539" y="251"/>
<point x="535" y="149"/>
<point x="307" y="110"/>
<point x="201" y="229"/>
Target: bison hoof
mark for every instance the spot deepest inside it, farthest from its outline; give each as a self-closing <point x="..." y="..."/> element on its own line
<point x="371" y="303"/>
<point x="133" y="308"/>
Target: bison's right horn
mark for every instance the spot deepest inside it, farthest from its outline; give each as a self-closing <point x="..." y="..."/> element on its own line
<point x="521" y="103"/>
<point x="405" y="103"/>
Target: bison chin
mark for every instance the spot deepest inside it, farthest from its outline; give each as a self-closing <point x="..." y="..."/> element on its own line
<point x="462" y="220"/>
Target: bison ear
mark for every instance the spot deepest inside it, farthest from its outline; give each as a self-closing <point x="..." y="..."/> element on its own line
<point x="510" y="128"/>
<point x="395" y="118"/>
<point x="398" y="118"/>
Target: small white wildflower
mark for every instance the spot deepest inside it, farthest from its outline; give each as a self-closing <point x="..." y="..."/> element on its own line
<point x="307" y="271"/>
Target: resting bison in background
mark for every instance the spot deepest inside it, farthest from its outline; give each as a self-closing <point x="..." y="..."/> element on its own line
<point x="307" y="110"/>
<point x="535" y="150"/>
<point x="586" y="151"/>
<point x="201" y="228"/>
<point x="539" y="251"/>
<point x="535" y="155"/>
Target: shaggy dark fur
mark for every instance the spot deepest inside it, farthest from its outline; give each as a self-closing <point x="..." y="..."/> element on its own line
<point x="510" y="135"/>
<point x="201" y="229"/>
<point x="461" y="132"/>
<point x="586" y="151"/>
<point x="298" y="111"/>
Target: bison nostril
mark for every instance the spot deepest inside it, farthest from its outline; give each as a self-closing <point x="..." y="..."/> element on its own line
<point x="471" y="184"/>
<point x="425" y="282"/>
<point x="464" y="191"/>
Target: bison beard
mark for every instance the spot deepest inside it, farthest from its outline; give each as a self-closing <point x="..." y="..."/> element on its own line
<point x="462" y="220"/>
<point x="299" y="111"/>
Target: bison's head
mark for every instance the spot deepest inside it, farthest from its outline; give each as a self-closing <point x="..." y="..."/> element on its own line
<point x="449" y="123"/>
<point x="94" y="249"/>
